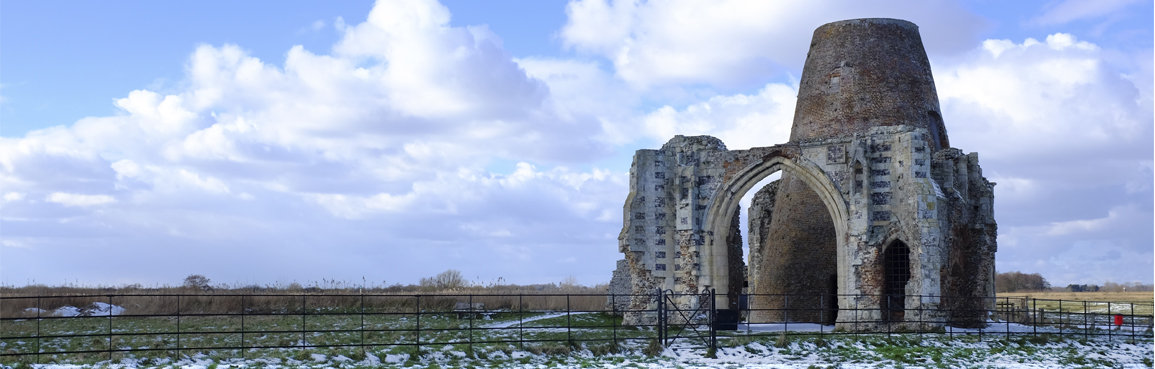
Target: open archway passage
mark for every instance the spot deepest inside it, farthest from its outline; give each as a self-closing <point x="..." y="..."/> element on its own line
<point x="796" y="276"/>
<point x="897" y="263"/>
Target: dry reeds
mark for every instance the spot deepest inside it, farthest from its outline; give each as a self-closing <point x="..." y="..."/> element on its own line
<point x="21" y="302"/>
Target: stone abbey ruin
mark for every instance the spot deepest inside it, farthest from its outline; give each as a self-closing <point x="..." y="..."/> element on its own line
<point x="875" y="218"/>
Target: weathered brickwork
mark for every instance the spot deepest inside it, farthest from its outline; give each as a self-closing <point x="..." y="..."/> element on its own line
<point x="868" y="167"/>
<point x="865" y="73"/>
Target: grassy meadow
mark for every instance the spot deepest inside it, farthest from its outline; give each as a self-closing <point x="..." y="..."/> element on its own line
<point x="1128" y="303"/>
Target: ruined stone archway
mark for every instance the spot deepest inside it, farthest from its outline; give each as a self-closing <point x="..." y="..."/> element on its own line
<point x="725" y="203"/>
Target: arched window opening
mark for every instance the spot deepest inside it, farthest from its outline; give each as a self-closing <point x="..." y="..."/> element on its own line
<point x="896" y="264"/>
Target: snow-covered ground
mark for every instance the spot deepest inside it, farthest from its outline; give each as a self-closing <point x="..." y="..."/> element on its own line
<point x="751" y="346"/>
<point x="872" y="351"/>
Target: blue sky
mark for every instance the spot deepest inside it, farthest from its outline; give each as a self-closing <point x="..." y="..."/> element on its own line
<point x="142" y="142"/>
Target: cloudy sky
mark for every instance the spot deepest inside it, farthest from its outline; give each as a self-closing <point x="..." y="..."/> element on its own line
<point x="266" y="142"/>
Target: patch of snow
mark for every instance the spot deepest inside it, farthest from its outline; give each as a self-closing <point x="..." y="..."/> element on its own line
<point x="102" y="309"/>
<point x="95" y="309"/>
<point x="372" y="359"/>
<point x="781" y="327"/>
<point x="511" y="324"/>
<point x="66" y="311"/>
<point x="391" y="358"/>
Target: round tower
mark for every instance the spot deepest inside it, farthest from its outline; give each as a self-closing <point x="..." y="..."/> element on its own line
<point x="859" y="74"/>
<point x="864" y="73"/>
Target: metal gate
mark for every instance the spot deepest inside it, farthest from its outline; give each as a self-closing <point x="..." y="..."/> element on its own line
<point x="690" y="316"/>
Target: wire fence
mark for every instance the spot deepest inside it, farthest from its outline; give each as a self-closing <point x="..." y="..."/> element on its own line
<point x="33" y="329"/>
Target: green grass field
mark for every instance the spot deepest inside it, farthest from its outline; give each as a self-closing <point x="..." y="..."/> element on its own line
<point x="219" y="336"/>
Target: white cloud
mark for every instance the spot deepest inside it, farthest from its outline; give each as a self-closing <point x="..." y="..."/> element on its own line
<point x="387" y="136"/>
<point x="740" y="121"/>
<point x="732" y="42"/>
<point x="126" y="168"/>
<point x="71" y="199"/>
<point x="1065" y="133"/>
<point x="1038" y="98"/>
<point x="1082" y="225"/>
<point x="1071" y="10"/>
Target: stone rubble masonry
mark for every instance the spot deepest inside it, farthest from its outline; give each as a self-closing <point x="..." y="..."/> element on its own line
<point x="868" y="164"/>
<point x="621" y="286"/>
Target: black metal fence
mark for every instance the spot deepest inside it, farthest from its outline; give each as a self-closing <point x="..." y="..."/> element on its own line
<point x="182" y="324"/>
<point x="239" y="325"/>
<point x="772" y="314"/>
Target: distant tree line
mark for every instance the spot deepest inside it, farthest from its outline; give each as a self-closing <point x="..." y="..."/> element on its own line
<point x="1125" y="287"/>
<point x="1083" y="287"/>
<point x="1017" y="281"/>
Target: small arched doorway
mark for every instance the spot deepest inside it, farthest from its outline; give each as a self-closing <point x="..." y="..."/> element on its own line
<point x="896" y="271"/>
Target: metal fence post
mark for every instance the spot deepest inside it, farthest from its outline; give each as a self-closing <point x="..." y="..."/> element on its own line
<point x="785" y="313"/>
<point x="614" y="317"/>
<point x="418" y="353"/>
<point x="362" y="320"/>
<point x="659" y="314"/>
<point x="886" y="316"/>
<point x="1034" y="317"/>
<point x="38" y="310"/>
<point x="243" y="326"/>
<point x="713" y="320"/>
<point x="1007" y="316"/>
<point x="662" y="313"/>
<point x="1109" y="316"/>
<point x="471" y="324"/>
<point x="1086" y="328"/>
<point x="303" y="341"/>
<point x="520" y="323"/>
<point x="568" y="334"/>
<point x="110" y="328"/>
<point x="177" y="328"/>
